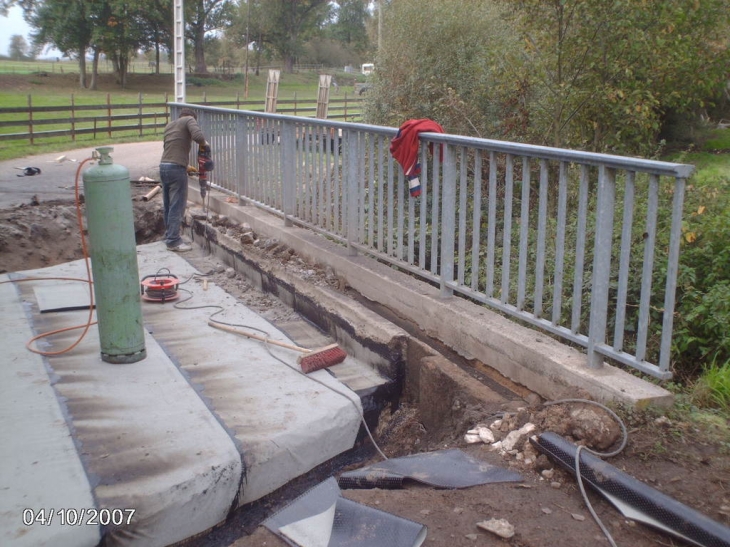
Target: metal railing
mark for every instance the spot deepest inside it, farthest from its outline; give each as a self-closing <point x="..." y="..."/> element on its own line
<point x="581" y="245"/>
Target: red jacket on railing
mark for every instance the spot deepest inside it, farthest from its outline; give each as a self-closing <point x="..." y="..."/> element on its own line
<point x="404" y="149"/>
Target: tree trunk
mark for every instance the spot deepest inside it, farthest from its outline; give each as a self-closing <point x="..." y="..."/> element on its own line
<point x="123" y="70"/>
<point x="82" y="69"/>
<point x="289" y="64"/>
<point x="200" y="66"/>
<point x="95" y="70"/>
<point x="258" y="55"/>
<point x="157" y="56"/>
<point x="115" y="68"/>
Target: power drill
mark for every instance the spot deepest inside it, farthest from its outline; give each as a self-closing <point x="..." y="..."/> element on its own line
<point x="205" y="165"/>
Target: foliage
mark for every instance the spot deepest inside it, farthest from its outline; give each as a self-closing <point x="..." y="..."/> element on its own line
<point x="286" y="24"/>
<point x="66" y="26"/>
<point x="588" y="74"/>
<point x="603" y="75"/>
<point x="349" y="27"/>
<point x="437" y="61"/>
<point x="203" y="16"/>
<point x="703" y="300"/>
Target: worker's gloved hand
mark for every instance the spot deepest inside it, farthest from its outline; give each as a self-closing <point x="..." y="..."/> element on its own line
<point x="192" y="171"/>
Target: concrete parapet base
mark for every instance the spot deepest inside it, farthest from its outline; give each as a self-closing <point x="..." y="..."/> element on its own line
<point x="525" y="356"/>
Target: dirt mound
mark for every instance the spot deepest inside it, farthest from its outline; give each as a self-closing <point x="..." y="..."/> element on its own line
<point x="44" y="233"/>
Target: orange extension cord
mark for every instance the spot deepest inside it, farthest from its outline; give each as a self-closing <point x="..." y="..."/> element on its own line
<point x="89" y="322"/>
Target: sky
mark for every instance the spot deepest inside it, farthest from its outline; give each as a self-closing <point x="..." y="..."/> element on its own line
<point x="15" y="24"/>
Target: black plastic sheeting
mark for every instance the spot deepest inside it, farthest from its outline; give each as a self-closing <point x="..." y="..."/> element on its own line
<point x="633" y="498"/>
<point x="442" y="469"/>
<point x="321" y="517"/>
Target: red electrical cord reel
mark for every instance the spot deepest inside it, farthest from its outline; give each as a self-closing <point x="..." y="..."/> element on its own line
<point x="159" y="288"/>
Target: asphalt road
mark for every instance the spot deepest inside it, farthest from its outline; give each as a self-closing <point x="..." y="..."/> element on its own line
<point x="58" y="172"/>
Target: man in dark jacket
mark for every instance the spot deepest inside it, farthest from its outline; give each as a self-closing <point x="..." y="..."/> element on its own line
<point x="179" y="137"/>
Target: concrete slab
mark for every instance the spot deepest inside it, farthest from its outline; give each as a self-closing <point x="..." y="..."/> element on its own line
<point x="207" y="422"/>
<point x="40" y="470"/>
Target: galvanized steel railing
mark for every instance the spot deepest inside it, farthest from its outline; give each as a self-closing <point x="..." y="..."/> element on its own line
<point x="584" y="246"/>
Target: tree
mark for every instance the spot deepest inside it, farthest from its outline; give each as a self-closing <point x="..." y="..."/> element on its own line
<point x="603" y="75"/>
<point x="203" y="16"/>
<point x="158" y="28"/>
<point x="437" y="60"/>
<point x="350" y="25"/>
<point x="65" y="25"/>
<point x="18" y="48"/>
<point x="286" y="24"/>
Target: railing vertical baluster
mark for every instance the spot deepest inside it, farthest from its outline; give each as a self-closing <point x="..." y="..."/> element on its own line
<point x="402" y="204"/>
<point x="541" y="236"/>
<point x="476" y="220"/>
<point x="580" y="246"/>
<point x="507" y="229"/>
<point x="448" y="221"/>
<point x="524" y="238"/>
<point x="560" y="244"/>
<point x="393" y="198"/>
<point x="381" y="191"/>
<point x="288" y="183"/>
<point x="372" y="202"/>
<point x="435" y="207"/>
<point x="648" y="267"/>
<point x="351" y="214"/>
<point x="672" y="271"/>
<point x="601" y="264"/>
<point x="463" y="212"/>
<point x="241" y="160"/>
<point x="624" y="260"/>
<point x="491" y="224"/>
<point x="339" y="189"/>
<point x="423" y="213"/>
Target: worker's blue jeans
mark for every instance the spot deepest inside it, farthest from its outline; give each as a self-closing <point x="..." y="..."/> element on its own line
<point x="174" y="199"/>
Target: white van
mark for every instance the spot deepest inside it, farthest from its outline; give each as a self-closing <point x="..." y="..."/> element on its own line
<point x="367" y="68"/>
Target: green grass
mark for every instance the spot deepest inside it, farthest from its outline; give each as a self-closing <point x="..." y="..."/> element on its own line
<point x="59" y="90"/>
<point x="713" y="388"/>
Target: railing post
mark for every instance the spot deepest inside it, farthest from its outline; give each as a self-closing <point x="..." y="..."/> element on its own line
<point x="30" y="117"/>
<point x="241" y="159"/>
<point x="672" y="272"/>
<point x="73" y="118"/>
<point x="288" y="158"/>
<point x="352" y="190"/>
<point x="601" y="264"/>
<point x="448" y="220"/>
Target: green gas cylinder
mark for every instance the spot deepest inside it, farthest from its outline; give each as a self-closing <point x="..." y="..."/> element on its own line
<point x="110" y="222"/>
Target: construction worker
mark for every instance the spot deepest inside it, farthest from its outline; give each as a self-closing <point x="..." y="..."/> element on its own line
<point x="179" y="136"/>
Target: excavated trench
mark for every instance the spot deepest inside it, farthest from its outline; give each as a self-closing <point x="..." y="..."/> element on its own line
<point x="432" y="395"/>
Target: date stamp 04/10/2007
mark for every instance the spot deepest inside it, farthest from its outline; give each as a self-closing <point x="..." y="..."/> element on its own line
<point x="78" y="517"/>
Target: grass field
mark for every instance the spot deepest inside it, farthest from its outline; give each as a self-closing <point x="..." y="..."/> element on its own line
<point x="41" y="88"/>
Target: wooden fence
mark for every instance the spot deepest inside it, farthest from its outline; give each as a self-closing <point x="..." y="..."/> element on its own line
<point x="33" y="122"/>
